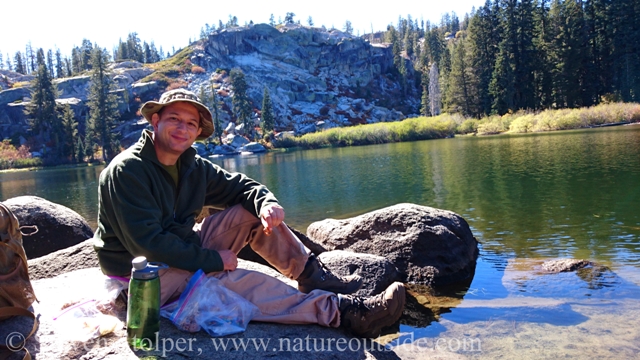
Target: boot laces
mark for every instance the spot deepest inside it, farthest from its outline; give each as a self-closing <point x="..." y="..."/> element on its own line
<point x="358" y="306"/>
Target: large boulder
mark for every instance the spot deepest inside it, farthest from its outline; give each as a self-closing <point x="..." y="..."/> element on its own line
<point x="58" y="226"/>
<point x="76" y="257"/>
<point x="253" y="147"/>
<point x="377" y="272"/>
<point x="427" y="245"/>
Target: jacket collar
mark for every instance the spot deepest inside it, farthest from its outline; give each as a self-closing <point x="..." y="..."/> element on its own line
<point x="146" y="150"/>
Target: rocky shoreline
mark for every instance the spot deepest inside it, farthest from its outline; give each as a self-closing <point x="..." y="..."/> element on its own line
<point x="75" y="268"/>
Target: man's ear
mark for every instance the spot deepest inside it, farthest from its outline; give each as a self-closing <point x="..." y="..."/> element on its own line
<point x="154" y="120"/>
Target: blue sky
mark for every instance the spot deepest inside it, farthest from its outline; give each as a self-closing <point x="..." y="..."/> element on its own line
<point x="64" y="23"/>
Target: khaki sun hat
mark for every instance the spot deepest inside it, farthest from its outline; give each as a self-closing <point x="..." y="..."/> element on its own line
<point x="206" y="120"/>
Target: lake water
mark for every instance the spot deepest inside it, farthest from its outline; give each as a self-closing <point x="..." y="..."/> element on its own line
<point x="528" y="198"/>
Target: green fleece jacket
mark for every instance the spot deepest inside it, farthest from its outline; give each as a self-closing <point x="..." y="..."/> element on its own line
<point x="143" y="213"/>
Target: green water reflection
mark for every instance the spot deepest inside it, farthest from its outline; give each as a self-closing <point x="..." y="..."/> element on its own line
<point x="570" y="194"/>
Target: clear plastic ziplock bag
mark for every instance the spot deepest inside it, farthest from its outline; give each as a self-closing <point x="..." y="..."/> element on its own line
<point x="83" y="321"/>
<point x="207" y="304"/>
<point x="89" y="317"/>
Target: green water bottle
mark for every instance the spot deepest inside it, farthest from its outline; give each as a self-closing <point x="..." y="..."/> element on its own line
<point x="143" y="304"/>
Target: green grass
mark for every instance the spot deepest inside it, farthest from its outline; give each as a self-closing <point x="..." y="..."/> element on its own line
<point x="168" y="70"/>
<point x="446" y="125"/>
<point x="421" y="128"/>
<point x="20" y="163"/>
<point x="562" y="119"/>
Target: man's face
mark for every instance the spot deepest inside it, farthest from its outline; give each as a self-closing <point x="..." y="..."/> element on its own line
<point x="176" y="128"/>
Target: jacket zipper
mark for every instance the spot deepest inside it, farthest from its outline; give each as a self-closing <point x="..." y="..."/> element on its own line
<point x="178" y="187"/>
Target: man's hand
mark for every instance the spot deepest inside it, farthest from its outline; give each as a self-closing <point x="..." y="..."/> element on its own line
<point x="229" y="259"/>
<point x="271" y="216"/>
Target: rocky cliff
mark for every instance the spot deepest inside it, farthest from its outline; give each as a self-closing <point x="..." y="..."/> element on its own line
<point x="312" y="75"/>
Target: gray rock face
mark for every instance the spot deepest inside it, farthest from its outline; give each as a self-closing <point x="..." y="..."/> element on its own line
<point x="77" y="87"/>
<point x="305" y="69"/>
<point x="145" y="90"/>
<point x="58" y="227"/>
<point x="427" y="245"/>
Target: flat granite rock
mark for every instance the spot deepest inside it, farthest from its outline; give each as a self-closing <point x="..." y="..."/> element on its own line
<point x="261" y="339"/>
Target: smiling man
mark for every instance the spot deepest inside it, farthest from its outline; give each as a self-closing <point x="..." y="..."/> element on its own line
<point x="150" y="195"/>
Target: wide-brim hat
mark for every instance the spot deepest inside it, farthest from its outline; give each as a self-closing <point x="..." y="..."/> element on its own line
<point x="206" y="120"/>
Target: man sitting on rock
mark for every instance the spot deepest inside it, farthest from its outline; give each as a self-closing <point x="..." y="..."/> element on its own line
<point x="150" y="194"/>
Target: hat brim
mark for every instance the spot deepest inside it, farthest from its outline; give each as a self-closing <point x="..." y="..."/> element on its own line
<point x="206" y="119"/>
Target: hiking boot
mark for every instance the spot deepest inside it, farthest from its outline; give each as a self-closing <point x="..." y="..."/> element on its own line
<point x="366" y="316"/>
<point x="316" y="276"/>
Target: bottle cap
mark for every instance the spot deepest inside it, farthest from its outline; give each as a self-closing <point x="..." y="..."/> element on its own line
<point x="144" y="270"/>
<point x="139" y="263"/>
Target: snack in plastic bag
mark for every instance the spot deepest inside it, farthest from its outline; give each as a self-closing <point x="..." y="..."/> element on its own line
<point x="83" y="321"/>
<point x="206" y="304"/>
<point x="91" y="316"/>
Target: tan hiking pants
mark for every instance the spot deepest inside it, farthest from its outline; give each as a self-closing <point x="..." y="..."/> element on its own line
<point x="278" y="302"/>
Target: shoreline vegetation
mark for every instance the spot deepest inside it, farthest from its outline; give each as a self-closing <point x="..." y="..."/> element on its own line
<point x="449" y="125"/>
<point x="411" y="129"/>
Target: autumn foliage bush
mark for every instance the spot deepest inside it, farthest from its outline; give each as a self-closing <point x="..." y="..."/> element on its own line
<point x="10" y="157"/>
<point x="197" y="69"/>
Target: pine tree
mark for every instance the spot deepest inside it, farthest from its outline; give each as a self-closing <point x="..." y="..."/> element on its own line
<point x="134" y="49"/>
<point x="348" y="28"/>
<point x="483" y="47"/>
<point x="272" y="21"/>
<point x="103" y="105"/>
<point x="86" y="51"/>
<point x="503" y="81"/>
<point x="30" y="59"/>
<point x="626" y="49"/>
<point x="59" y="65"/>
<point x="18" y="64"/>
<point x="1" y="62"/>
<point x="544" y="66"/>
<point x="526" y="56"/>
<point x="76" y="61"/>
<point x="70" y="134"/>
<point x="146" y="52"/>
<point x="68" y="69"/>
<point x="80" y="151"/>
<point x="288" y="19"/>
<point x="268" y="120"/>
<point x="459" y="97"/>
<point x="215" y="111"/>
<point x="9" y="66"/>
<point x="425" y="109"/>
<point x="309" y="21"/>
<point x="241" y="103"/>
<point x="41" y="111"/>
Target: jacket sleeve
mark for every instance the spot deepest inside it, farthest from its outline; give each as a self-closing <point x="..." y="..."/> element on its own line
<point x="226" y="189"/>
<point x="135" y="214"/>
